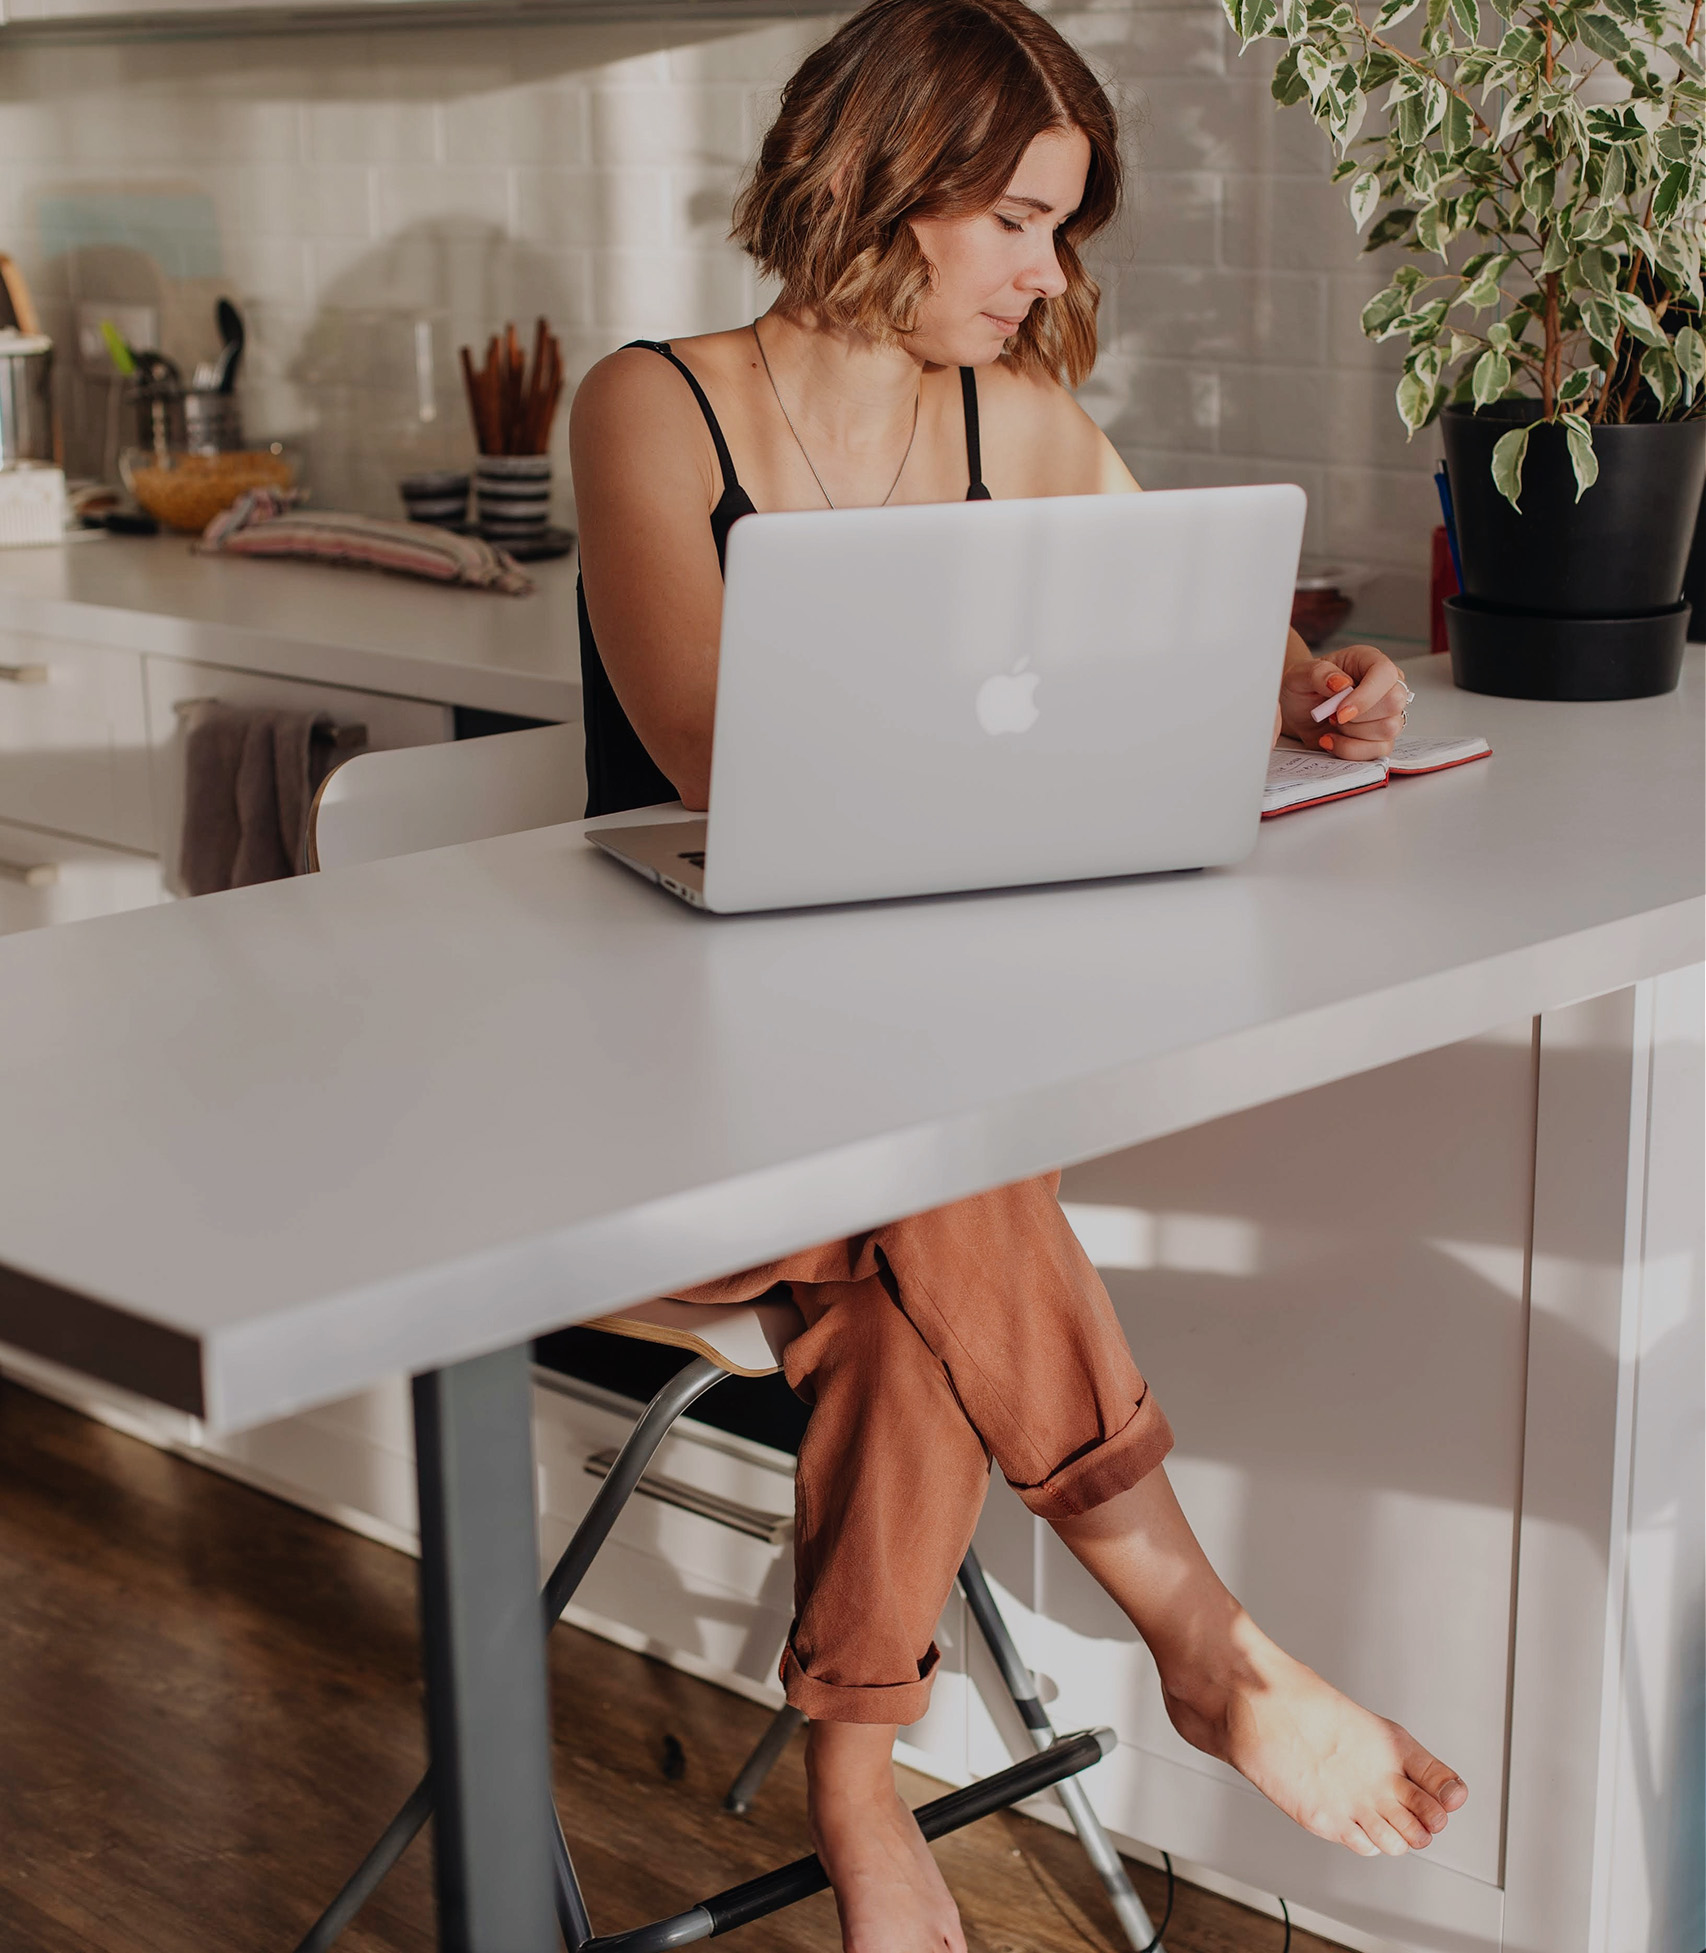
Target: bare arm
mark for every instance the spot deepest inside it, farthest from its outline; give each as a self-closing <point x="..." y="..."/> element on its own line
<point x="646" y="479"/>
<point x="1037" y="440"/>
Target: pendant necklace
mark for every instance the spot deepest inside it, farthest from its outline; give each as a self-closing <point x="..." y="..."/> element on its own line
<point x="792" y="429"/>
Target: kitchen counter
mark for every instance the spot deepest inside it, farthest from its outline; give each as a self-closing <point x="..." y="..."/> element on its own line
<point x="358" y="628"/>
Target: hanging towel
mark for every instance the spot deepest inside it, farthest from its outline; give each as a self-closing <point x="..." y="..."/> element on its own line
<point x="250" y="774"/>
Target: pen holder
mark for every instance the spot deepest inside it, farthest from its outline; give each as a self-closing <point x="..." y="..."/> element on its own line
<point x="512" y="496"/>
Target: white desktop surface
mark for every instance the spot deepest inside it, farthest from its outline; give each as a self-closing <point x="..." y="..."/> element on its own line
<point x="270" y="1146"/>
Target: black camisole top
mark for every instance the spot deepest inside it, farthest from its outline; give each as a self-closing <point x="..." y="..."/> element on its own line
<point x="620" y="773"/>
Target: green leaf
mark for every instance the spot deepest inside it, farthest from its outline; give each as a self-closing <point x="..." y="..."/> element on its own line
<point x="1690" y="350"/>
<point x="1557" y="252"/>
<point x="1468" y="17"/>
<point x="1428" y="231"/>
<point x="1603" y="35"/>
<point x="1364" y="195"/>
<point x="1639" y="320"/>
<point x="1508" y="452"/>
<point x="1662" y="373"/>
<point x="1669" y="196"/>
<point x="1457" y="130"/>
<point x="1288" y="85"/>
<point x="1616" y="170"/>
<point x="1484" y="289"/>
<point x="1579" y="436"/>
<point x="1492" y="377"/>
<point x="1315" y="69"/>
<point x="1576" y="385"/>
<point x="1394" y="225"/>
<point x="1498" y="335"/>
<point x="1393" y="12"/>
<point x="1600" y="317"/>
<point x="1296" y="20"/>
<point x="1383" y="310"/>
<point x="1597" y="269"/>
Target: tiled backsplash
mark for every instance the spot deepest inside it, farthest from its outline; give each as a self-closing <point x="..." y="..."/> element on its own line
<point x="372" y="202"/>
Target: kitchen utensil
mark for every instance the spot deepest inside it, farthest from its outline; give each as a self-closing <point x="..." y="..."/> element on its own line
<point x="26" y="397"/>
<point x="186" y="491"/>
<point x="232" y="338"/>
<point x="17" y="308"/>
<point x="32" y="504"/>
<point x="213" y="421"/>
<point x="513" y="404"/>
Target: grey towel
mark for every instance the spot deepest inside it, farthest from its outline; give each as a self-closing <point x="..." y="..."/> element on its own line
<point x="250" y="773"/>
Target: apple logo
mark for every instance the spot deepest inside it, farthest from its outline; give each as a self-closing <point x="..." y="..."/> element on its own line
<point x="1007" y="702"/>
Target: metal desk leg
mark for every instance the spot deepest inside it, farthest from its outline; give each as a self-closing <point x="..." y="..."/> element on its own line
<point x="483" y="1644"/>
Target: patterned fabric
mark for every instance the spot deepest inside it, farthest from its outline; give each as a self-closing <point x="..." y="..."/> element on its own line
<point x="262" y="523"/>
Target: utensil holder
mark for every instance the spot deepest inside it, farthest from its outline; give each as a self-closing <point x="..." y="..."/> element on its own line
<point x="512" y="495"/>
<point x="213" y="422"/>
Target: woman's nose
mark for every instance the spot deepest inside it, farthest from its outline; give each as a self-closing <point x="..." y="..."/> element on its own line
<point x="1044" y="276"/>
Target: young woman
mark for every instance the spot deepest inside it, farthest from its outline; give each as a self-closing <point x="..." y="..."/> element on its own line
<point x="922" y="199"/>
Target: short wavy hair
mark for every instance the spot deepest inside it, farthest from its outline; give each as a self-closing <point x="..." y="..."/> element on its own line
<point x="924" y="108"/>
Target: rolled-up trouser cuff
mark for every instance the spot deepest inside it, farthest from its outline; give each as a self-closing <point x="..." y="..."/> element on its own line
<point x="897" y="1702"/>
<point x="1111" y="1467"/>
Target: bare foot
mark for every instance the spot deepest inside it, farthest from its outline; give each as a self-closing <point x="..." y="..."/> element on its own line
<point x="888" y="1890"/>
<point x="1344" y="1774"/>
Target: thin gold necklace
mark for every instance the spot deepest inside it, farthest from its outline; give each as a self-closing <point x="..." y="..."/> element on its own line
<point x="792" y="429"/>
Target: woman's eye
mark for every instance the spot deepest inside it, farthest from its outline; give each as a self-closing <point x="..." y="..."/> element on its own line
<point x="1007" y="223"/>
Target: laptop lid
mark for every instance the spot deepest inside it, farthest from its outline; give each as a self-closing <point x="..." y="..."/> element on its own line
<point x="973" y="695"/>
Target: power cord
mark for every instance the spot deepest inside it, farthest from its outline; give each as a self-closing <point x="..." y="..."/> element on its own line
<point x="1167" y="1912"/>
<point x="1284" y="1908"/>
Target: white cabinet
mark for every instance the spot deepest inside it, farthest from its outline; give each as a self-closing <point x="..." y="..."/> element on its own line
<point x="73" y="740"/>
<point x="172" y="683"/>
<point x="47" y="878"/>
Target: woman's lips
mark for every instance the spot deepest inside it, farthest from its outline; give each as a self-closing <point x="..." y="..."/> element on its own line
<point x="1008" y="326"/>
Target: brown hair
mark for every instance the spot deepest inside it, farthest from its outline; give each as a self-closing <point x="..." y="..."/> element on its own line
<point x="924" y="108"/>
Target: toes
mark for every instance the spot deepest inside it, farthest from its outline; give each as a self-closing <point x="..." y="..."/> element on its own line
<point x="1441" y="1782"/>
<point x="1420" y="1805"/>
<point x="1411" y="1828"/>
<point x="1357" y="1840"/>
<point x="1382" y="1835"/>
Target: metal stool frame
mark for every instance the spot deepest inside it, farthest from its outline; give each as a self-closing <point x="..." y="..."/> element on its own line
<point x="1058" y="1759"/>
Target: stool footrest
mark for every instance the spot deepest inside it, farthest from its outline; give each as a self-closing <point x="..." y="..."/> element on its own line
<point x="741" y="1904"/>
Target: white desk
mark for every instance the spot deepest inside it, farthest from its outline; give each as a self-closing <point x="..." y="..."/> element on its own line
<point x="262" y="1149"/>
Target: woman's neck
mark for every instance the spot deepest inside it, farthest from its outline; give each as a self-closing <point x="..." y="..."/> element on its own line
<point x="843" y="392"/>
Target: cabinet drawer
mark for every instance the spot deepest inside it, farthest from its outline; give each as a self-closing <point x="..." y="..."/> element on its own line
<point x="73" y="739"/>
<point x="51" y="878"/>
<point x="172" y="682"/>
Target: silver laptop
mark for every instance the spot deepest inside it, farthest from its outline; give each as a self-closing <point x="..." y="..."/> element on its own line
<point x="973" y="695"/>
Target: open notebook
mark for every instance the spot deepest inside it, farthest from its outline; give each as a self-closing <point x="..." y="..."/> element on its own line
<point x="1300" y="779"/>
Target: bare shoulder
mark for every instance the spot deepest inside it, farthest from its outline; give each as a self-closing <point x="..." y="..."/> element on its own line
<point x="634" y="414"/>
<point x="1037" y="440"/>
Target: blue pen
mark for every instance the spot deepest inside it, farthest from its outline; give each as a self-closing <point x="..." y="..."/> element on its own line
<point x="1442" y="481"/>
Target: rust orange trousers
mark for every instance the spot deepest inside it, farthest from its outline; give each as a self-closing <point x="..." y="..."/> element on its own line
<point x="976" y="1332"/>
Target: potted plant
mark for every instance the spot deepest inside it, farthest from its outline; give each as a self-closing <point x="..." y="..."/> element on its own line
<point x="1543" y="167"/>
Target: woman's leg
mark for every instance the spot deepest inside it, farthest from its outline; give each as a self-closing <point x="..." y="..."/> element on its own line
<point x="1339" y="1771"/>
<point x="1002" y="1292"/>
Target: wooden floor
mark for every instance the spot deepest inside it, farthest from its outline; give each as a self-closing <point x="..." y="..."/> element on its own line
<point x="209" y="1703"/>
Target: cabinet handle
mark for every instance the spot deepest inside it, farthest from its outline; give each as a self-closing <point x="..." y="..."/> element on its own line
<point x="33" y="874"/>
<point x="770" y="1527"/>
<point x="23" y="674"/>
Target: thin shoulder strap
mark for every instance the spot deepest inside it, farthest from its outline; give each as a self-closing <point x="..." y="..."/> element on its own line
<point x="724" y="460"/>
<point x="976" y="491"/>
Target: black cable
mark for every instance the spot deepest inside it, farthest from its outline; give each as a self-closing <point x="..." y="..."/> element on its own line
<point x="1284" y="1908"/>
<point x="1167" y="1913"/>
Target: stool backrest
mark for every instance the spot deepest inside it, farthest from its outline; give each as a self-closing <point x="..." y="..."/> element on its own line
<point x="416" y="797"/>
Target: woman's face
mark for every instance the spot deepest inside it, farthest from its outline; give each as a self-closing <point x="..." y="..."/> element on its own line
<point x="992" y="268"/>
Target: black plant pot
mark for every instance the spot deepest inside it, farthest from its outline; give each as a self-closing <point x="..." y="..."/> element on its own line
<point x="1619" y="551"/>
<point x="1534" y="582"/>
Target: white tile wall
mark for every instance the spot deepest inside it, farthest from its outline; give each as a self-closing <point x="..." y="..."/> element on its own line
<point x="355" y="191"/>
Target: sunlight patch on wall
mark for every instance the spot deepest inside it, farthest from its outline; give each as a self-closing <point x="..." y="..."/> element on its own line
<point x="1132" y="1237"/>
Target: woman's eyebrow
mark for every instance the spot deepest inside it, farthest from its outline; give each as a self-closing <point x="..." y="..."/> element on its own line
<point x="1033" y="203"/>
